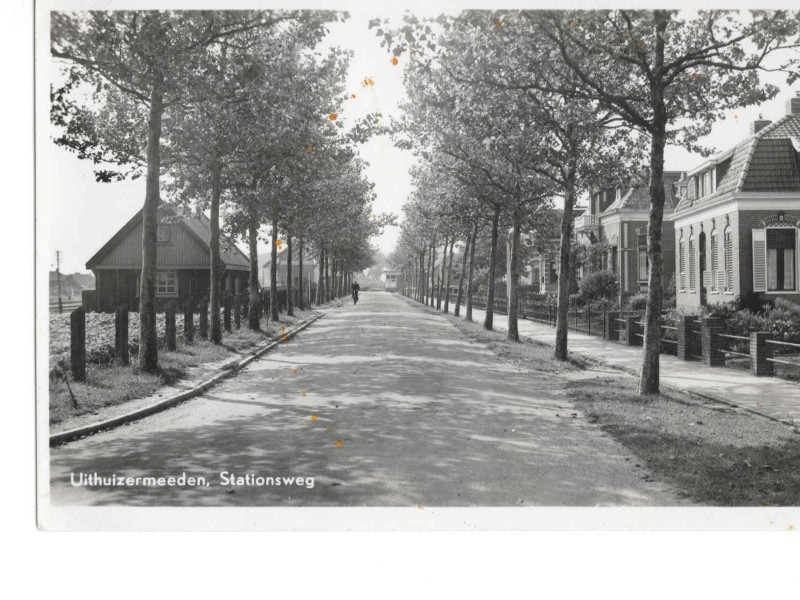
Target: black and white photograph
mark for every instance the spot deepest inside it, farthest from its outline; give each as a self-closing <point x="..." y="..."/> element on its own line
<point x="417" y="267"/>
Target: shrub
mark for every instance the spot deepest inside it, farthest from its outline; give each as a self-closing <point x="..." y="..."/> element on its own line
<point x="599" y="287"/>
<point x="638" y="301"/>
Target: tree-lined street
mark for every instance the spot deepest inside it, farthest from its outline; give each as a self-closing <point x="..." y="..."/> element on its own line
<point x="424" y="416"/>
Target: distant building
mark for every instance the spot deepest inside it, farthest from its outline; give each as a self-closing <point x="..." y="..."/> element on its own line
<point x="71" y="285"/>
<point x="182" y="261"/>
<point x="310" y="271"/>
<point x="392" y="280"/>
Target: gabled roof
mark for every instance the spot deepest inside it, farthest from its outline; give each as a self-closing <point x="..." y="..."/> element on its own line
<point x="637" y="198"/>
<point x="198" y="226"/>
<point x="764" y="162"/>
<point x="265" y="258"/>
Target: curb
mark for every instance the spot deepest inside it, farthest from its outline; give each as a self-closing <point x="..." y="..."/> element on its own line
<point x="226" y="371"/>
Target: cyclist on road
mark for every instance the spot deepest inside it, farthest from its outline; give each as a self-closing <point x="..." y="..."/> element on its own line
<point x="355" y="288"/>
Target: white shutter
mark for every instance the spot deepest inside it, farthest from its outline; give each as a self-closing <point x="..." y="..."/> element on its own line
<point x="721" y="280"/>
<point x="707" y="279"/>
<point x="759" y="260"/>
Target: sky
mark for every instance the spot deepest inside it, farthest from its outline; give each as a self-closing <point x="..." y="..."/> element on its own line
<point x="83" y="214"/>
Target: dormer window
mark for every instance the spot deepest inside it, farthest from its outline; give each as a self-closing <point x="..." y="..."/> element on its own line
<point x="707" y="182"/>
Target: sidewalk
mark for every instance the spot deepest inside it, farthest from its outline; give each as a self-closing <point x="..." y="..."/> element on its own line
<point x="768" y="396"/>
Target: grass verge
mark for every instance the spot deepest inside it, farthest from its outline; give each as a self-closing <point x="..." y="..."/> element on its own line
<point x="109" y="385"/>
<point x="714" y="454"/>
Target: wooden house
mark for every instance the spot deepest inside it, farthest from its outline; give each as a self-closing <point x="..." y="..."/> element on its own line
<point x="183" y="262"/>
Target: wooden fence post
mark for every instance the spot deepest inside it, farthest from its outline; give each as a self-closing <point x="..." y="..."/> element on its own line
<point x="237" y="311"/>
<point x="188" y="323"/>
<point x="172" y="342"/>
<point x="77" y="344"/>
<point x="121" y="336"/>
<point x="204" y="320"/>
<point x="227" y="313"/>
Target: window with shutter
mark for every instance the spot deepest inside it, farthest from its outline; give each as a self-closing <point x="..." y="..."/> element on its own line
<point x="728" y="259"/>
<point x="692" y="267"/>
<point x="682" y="263"/>
<point x="714" y="259"/>
<point x="759" y="260"/>
<point x="641" y="256"/>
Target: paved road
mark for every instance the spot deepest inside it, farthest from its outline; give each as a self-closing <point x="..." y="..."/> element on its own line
<point x="384" y="405"/>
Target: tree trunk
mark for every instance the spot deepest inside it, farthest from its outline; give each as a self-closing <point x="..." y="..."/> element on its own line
<point x="253" y="312"/>
<point x="327" y="278"/>
<point x="460" y="295"/>
<point x="422" y="276"/>
<point x="449" y="275"/>
<point x="433" y="272"/>
<point x="301" y="304"/>
<point x="148" y="341"/>
<point x="320" y="277"/>
<point x="513" y="282"/>
<point x="289" y="303"/>
<point x="441" y="275"/>
<point x="215" y="284"/>
<point x="468" y="314"/>
<point x="562" y="310"/>
<point x="488" y="322"/>
<point x="650" y="374"/>
<point x="273" y="269"/>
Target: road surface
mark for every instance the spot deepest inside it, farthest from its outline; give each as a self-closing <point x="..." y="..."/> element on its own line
<point x="381" y="404"/>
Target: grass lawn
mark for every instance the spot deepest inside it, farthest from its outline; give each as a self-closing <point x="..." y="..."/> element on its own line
<point x="712" y="453"/>
<point x="108" y="385"/>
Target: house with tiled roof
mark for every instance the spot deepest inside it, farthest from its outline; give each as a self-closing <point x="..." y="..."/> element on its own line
<point x="183" y="262"/>
<point x="310" y="272"/>
<point x="540" y="263"/>
<point x="617" y="219"/>
<point x="737" y="222"/>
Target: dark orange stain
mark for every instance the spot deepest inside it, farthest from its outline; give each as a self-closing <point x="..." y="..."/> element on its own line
<point x="313" y="417"/>
<point x="333" y="116"/>
<point x="339" y="444"/>
<point x="303" y="394"/>
<point x="394" y="60"/>
<point x="352" y="96"/>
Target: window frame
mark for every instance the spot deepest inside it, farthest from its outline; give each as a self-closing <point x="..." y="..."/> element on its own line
<point x="780" y="277"/>
<point x="641" y="247"/>
<point x="167" y="293"/>
<point x="159" y="229"/>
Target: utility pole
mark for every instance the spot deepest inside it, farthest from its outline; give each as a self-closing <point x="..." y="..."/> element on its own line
<point x="58" y="278"/>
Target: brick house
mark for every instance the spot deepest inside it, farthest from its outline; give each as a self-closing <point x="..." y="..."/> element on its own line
<point x="617" y="220"/>
<point x="540" y="271"/>
<point x="183" y="262"/>
<point x="737" y="224"/>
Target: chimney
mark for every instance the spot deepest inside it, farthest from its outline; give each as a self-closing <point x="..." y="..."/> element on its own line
<point x="758" y="124"/>
<point x="793" y="105"/>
